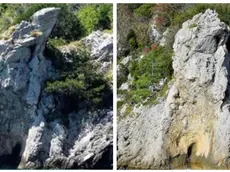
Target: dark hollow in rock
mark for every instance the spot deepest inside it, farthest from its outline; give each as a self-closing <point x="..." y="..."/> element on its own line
<point x="106" y="160"/>
<point x="11" y="161"/>
<point x="228" y="44"/>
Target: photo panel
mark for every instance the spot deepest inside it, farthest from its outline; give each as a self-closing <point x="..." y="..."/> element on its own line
<point x="56" y="79"/>
<point x="173" y="90"/>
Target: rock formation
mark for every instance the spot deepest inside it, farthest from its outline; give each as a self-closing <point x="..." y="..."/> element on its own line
<point x="190" y="128"/>
<point x="101" y="46"/>
<point x="28" y="138"/>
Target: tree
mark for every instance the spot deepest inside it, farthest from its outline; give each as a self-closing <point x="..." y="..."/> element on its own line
<point x="88" y="17"/>
<point x="95" y="16"/>
<point x="154" y="66"/>
<point x="80" y="82"/>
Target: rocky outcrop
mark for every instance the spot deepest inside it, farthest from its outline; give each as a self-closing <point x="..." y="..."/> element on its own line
<point x="30" y="138"/>
<point x="101" y="48"/>
<point x="99" y="44"/>
<point x="190" y="128"/>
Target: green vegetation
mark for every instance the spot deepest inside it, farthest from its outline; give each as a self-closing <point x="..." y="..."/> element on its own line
<point x="57" y="42"/>
<point x="222" y="9"/>
<point x="145" y="10"/>
<point x="80" y="82"/>
<point x="128" y="111"/>
<point x="7" y="34"/>
<point x="132" y="40"/>
<point x="192" y="26"/>
<point x="119" y="105"/>
<point x="93" y="17"/>
<point x="74" y="21"/>
<point x="88" y="18"/>
<point x="133" y="26"/>
<point x="108" y="31"/>
<point x="123" y="75"/>
<point x="149" y="71"/>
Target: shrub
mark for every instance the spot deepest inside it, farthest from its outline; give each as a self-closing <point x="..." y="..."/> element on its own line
<point x="222" y="9"/>
<point x="154" y="47"/>
<point x="145" y="10"/>
<point x="57" y="42"/>
<point x="28" y="12"/>
<point x="131" y="38"/>
<point x="132" y="7"/>
<point x="123" y="75"/>
<point x="146" y="50"/>
<point x="8" y="12"/>
<point x="120" y="104"/>
<point x="109" y="75"/>
<point x="88" y="17"/>
<point x="149" y="71"/>
<point x="105" y="16"/>
<point x="67" y="27"/>
<point x="142" y="31"/>
<point x="132" y="43"/>
<point x="81" y="83"/>
<point x="139" y="95"/>
<point x="93" y="17"/>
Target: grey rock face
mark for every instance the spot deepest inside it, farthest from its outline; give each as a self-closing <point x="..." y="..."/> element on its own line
<point x="155" y="34"/>
<point x="101" y="49"/>
<point x="100" y="44"/>
<point x="45" y="19"/>
<point x="193" y="120"/>
<point x="140" y="139"/>
<point x="22" y="77"/>
<point x="25" y="108"/>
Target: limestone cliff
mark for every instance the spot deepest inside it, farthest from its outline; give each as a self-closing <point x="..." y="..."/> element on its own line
<point x="190" y="128"/>
<point x="28" y="139"/>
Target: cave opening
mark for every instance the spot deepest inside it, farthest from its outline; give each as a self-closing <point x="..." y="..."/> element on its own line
<point x="188" y="155"/>
<point x="11" y="161"/>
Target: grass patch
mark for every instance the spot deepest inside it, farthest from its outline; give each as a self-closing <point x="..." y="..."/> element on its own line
<point x="110" y="31"/>
<point x="57" y="42"/>
<point x="109" y="75"/>
<point x="128" y="111"/>
<point x="192" y="26"/>
<point x="119" y="105"/>
<point x="36" y="33"/>
<point x="7" y="34"/>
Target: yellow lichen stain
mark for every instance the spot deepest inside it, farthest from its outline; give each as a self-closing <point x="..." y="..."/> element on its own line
<point x="185" y="142"/>
<point x="196" y="166"/>
<point x="203" y="144"/>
